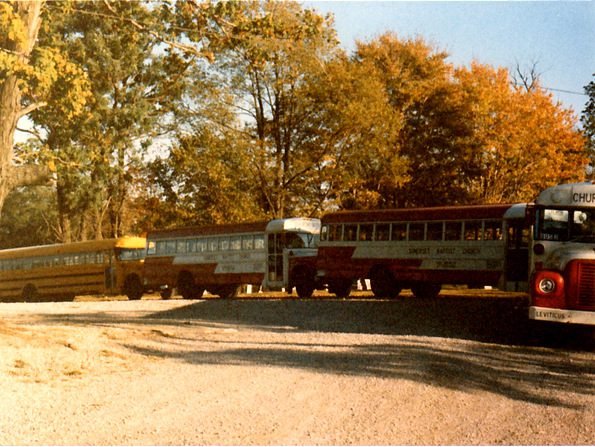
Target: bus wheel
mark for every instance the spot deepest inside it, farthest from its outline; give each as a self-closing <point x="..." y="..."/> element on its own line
<point x="384" y="284"/>
<point x="341" y="288"/>
<point x="186" y="285"/>
<point x="228" y="292"/>
<point x="133" y="288"/>
<point x="426" y="290"/>
<point x="30" y="293"/>
<point x="166" y="293"/>
<point x="304" y="289"/>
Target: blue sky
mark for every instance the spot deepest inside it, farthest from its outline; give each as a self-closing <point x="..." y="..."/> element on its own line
<point x="559" y="37"/>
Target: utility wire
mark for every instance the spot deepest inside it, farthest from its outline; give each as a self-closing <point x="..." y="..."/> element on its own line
<point x="565" y="91"/>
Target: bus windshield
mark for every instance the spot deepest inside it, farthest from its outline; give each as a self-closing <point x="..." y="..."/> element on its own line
<point x="130" y="254"/>
<point x="566" y="225"/>
<point x="301" y="240"/>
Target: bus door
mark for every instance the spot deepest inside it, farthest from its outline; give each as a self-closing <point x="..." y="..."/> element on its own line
<point x="275" y="260"/>
<point x="280" y="247"/>
<point x="110" y="271"/>
<point x="517" y="256"/>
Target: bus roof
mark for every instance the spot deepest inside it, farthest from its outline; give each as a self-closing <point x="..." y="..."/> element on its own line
<point x="207" y="230"/>
<point x="73" y="247"/>
<point x="301" y="224"/>
<point x="419" y="214"/>
<point x="516" y="211"/>
<point x="571" y="194"/>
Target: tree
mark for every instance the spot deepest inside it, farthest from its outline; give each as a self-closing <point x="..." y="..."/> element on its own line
<point x="588" y="121"/>
<point x="430" y="146"/>
<point x="265" y="64"/>
<point x="28" y="217"/>
<point x="355" y="136"/>
<point x="525" y="141"/>
<point x="28" y="74"/>
<point x="135" y="82"/>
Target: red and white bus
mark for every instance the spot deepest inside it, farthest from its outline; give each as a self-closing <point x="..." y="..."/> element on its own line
<point x="422" y="249"/>
<point x="220" y="258"/>
<point x="563" y="255"/>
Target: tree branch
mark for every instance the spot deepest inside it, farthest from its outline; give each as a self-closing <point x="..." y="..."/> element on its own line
<point x="30" y="108"/>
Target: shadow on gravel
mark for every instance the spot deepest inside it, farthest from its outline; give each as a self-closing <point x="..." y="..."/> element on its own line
<point x="501" y="321"/>
<point x="509" y="361"/>
<point x="521" y="374"/>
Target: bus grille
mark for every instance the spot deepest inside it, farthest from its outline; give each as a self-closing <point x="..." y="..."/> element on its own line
<point x="586" y="289"/>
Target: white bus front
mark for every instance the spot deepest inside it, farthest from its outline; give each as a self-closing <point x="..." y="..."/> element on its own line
<point x="563" y="265"/>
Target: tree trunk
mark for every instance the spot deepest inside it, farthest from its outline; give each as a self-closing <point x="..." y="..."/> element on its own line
<point x="11" y="109"/>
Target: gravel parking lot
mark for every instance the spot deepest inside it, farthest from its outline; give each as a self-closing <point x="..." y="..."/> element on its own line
<point x="455" y="370"/>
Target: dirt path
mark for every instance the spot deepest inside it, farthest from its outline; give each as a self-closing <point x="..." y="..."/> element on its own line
<point x="447" y="371"/>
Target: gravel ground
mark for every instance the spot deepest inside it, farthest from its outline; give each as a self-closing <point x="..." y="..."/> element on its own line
<point x="455" y="370"/>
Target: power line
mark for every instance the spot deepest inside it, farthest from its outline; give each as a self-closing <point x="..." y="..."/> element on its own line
<point x="564" y="91"/>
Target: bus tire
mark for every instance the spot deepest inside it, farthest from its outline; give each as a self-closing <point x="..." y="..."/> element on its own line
<point x="30" y="293"/>
<point x="304" y="289"/>
<point x="383" y="284"/>
<point x="186" y="285"/>
<point x="341" y="288"/>
<point x="426" y="290"/>
<point x="133" y="287"/>
<point x="227" y="292"/>
<point x="304" y="279"/>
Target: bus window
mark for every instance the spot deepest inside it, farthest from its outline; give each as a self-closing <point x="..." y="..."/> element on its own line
<point x="366" y="232"/>
<point x="553" y="225"/>
<point x="224" y="243"/>
<point x="248" y="242"/>
<point x="201" y="245"/>
<point x="324" y="233"/>
<point x="335" y="232"/>
<point x="293" y="240"/>
<point x="416" y="231"/>
<point x="123" y="254"/>
<point x="434" y="232"/>
<point x="473" y="231"/>
<point x="350" y="232"/>
<point x="151" y="247"/>
<point x="492" y="230"/>
<point x="583" y="225"/>
<point x="191" y="246"/>
<point x="213" y="244"/>
<point x="399" y="232"/>
<point x="235" y="243"/>
<point x="259" y="242"/>
<point x="181" y="246"/>
<point x="382" y="232"/>
<point x="452" y="231"/>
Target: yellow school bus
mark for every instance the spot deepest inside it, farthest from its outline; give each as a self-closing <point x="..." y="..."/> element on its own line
<point x="63" y="271"/>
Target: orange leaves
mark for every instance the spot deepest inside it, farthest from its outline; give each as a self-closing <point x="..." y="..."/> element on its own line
<point x="526" y="141"/>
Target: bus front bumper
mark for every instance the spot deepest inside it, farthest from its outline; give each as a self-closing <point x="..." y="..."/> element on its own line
<point x="562" y="315"/>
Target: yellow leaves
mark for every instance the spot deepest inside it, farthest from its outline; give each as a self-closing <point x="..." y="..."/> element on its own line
<point x="12" y="27"/>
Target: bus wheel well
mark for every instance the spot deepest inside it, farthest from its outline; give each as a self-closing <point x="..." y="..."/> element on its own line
<point x="133" y="287"/>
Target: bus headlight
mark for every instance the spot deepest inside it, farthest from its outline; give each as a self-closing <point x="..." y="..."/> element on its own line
<point x="547" y="286"/>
